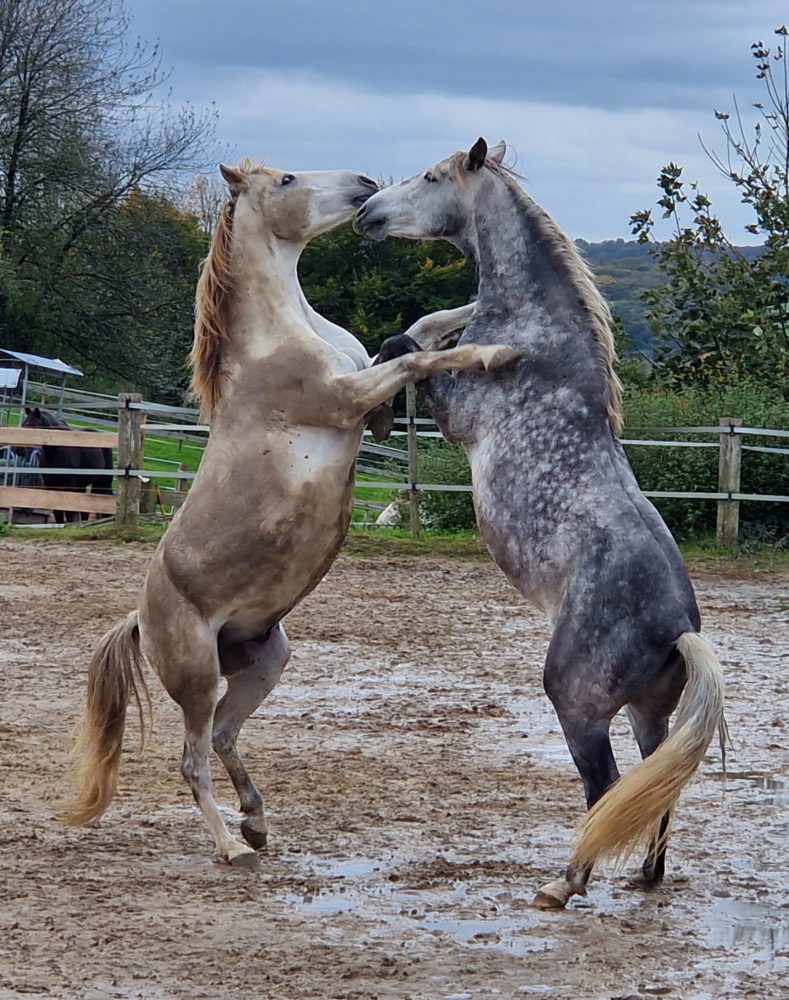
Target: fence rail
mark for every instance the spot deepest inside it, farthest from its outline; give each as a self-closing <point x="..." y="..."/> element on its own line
<point x="395" y="469"/>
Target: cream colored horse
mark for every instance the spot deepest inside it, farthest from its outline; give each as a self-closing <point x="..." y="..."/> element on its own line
<point x="287" y="393"/>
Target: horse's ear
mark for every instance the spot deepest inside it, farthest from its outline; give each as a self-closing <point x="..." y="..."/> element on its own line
<point x="476" y="155"/>
<point x="37" y="412"/>
<point x="498" y="152"/>
<point x="28" y="411"/>
<point x="234" y="179"/>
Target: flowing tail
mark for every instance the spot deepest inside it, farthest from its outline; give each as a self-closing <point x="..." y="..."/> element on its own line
<point x="629" y="813"/>
<point x="116" y="674"/>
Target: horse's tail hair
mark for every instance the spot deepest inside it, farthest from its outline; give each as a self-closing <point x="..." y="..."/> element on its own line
<point x="116" y="674"/>
<point x="629" y="814"/>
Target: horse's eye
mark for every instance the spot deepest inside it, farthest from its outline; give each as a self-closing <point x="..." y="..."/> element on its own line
<point x="288" y="179"/>
<point x="429" y="177"/>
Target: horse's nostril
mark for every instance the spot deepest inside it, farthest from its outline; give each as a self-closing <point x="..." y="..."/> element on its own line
<point x="361" y="213"/>
<point x="367" y="181"/>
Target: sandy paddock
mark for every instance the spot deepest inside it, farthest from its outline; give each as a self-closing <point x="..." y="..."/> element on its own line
<point x="418" y="790"/>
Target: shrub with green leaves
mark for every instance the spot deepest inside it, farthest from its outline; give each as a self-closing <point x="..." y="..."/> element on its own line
<point x="682" y="470"/>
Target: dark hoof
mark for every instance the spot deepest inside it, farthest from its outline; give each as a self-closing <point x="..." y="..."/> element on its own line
<point x="253" y="836"/>
<point x="644" y="883"/>
<point x="381" y="422"/>
<point x="248" y="860"/>
<point x="396" y="347"/>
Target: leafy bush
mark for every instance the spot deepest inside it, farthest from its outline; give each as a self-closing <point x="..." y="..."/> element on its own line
<point x="683" y="470"/>
<point x="696" y="469"/>
<point x="446" y="463"/>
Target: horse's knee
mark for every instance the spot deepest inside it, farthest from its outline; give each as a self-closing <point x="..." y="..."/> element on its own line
<point x="188" y="772"/>
<point x="223" y="742"/>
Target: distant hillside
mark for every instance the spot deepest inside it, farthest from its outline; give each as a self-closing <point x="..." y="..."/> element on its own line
<point x="623" y="270"/>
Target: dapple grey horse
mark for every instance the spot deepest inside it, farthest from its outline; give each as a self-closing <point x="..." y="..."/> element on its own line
<point x="559" y="507"/>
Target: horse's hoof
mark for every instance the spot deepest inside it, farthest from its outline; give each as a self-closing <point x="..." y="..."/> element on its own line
<point x="644" y="883"/>
<point x="545" y="901"/>
<point x="501" y="357"/>
<point x="254" y="836"/>
<point x="248" y="860"/>
<point x="553" y="896"/>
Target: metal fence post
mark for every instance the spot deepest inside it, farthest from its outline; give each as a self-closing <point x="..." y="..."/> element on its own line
<point x="130" y="456"/>
<point x="413" y="459"/>
<point x="729" y="482"/>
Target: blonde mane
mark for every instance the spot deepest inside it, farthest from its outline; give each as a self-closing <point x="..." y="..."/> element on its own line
<point x="211" y="307"/>
<point x="578" y="274"/>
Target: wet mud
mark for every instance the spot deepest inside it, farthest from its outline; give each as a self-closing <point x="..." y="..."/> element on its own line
<point x="418" y="791"/>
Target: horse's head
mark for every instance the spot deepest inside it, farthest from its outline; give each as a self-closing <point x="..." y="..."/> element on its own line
<point x="296" y="207"/>
<point x="34" y="417"/>
<point x="434" y="204"/>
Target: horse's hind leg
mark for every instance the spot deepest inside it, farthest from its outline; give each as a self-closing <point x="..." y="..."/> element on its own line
<point x="186" y="661"/>
<point x="650" y="727"/>
<point x="252" y="669"/>
<point x="590" y="746"/>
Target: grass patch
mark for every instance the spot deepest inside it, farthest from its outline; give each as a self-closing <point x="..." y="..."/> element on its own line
<point x="72" y="534"/>
<point x="701" y="556"/>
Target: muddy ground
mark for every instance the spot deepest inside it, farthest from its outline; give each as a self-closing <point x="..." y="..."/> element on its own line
<point x="418" y="791"/>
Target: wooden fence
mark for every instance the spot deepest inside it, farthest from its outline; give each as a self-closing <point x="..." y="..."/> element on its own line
<point x="143" y="490"/>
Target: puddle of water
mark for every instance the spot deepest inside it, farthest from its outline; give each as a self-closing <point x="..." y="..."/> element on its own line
<point x="325" y="904"/>
<point x="502" y="934"/>
<point x="761" y="929"/>
<point x="776" y="788"/>
<point x="760" y="778"/>
<point x="345" y="868"/>
<point x="449" y="910"/>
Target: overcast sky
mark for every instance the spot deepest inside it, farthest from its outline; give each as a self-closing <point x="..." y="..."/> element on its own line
<point x="593" y="97"/>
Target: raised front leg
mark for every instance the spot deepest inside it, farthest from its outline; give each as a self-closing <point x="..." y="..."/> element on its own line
<point x="361" y="391"/>
<point x="439" y="330"/>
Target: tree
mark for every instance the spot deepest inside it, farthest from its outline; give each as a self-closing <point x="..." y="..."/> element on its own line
<point x="722" y="314"/>
<point x="124" y="300"/>
<point x="378" y="289"/>
<point x="82" y="136"/>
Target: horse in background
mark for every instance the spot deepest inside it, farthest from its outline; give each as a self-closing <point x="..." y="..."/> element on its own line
<point x="559" y="507"/>
<point x="70" y="457"/>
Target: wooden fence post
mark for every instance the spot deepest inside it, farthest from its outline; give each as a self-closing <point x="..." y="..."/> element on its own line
<point x="413" y="459"/>
<point x="729" y="482"/>
<point x="130" y="456"/>
<point x="148" y="497"/>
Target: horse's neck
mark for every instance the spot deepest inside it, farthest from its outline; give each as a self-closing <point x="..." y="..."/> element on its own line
<point x="520" y="268"/>
<point x="264" y="303"/>
<point x="269" y="306"/>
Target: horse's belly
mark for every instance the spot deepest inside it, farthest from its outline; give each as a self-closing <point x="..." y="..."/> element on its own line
<point x="267" y="598"/>
<point x="533" y="555"/>
<point x="254" y="537"/>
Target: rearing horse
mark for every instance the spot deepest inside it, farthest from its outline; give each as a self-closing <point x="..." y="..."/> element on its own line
<point x="287" y="393"/>
<point x="558" y="504"/>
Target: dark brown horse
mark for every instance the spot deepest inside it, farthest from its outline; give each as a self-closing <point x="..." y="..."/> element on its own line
<point x="65" y="457"/>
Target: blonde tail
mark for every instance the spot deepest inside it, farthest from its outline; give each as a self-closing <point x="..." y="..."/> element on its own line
<point x="629" y="814"/>
<point x="115" y="675"/>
